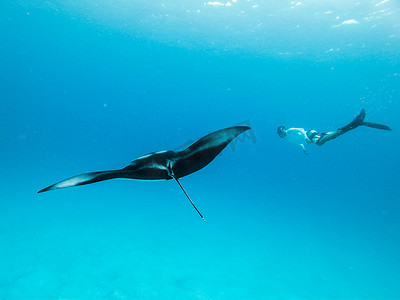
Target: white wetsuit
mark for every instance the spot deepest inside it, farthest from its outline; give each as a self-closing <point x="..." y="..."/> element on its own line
<point x="299" y="137"/>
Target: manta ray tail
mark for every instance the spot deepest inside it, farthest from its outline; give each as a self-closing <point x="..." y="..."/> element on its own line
<point x="189" y="198"/>
<point x="83" y="179"/>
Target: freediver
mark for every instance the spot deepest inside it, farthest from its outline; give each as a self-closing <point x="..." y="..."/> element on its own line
<point x="300" y="137"/>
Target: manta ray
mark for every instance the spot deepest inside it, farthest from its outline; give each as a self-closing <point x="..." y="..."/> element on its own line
<point x="163" y="164"/>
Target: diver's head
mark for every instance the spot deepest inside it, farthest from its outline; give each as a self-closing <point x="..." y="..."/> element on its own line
<point x="282" y="131"/>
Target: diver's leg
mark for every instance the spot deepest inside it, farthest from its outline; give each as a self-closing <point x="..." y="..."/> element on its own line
<point x="359" y="120"/>
<point x="328" y="136"/>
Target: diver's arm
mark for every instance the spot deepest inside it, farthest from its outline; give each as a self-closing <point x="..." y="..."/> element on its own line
<point x="304" y="149"/>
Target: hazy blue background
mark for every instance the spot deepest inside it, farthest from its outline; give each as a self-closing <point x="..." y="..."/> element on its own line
<point x="91" y="85"/>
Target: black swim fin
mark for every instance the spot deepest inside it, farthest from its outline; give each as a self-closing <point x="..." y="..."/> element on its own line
<point x="376" y="125"/>
<point x="358" y="121"/>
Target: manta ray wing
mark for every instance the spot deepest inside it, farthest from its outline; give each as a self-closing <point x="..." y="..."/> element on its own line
<point x="202" y="152"/>
<point x="83" y="179"/>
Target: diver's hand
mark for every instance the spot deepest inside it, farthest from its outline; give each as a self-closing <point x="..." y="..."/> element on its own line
<point x="304" y="149"/>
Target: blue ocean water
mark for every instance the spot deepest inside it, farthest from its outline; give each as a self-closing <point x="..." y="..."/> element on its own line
<point x="92" y="85"/>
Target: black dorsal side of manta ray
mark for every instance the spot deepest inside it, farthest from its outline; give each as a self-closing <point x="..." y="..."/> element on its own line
<point x="164" y="164"/>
